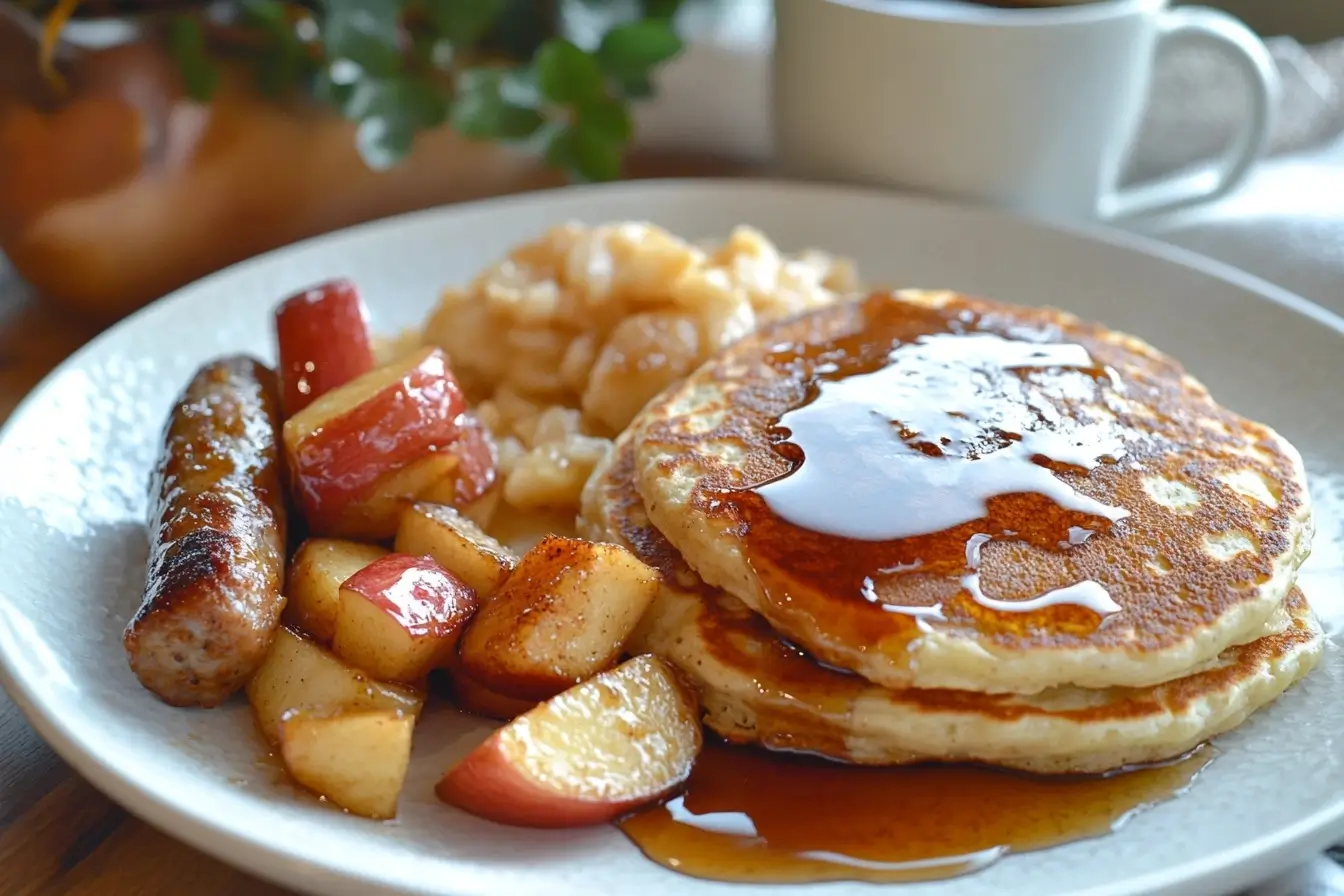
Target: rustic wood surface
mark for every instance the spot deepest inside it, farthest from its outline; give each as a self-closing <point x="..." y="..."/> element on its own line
<point x="59" y="835"/>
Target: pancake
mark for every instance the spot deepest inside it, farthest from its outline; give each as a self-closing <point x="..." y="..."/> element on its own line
<point x="937" y="491"/>
<point x="758" y="688"/>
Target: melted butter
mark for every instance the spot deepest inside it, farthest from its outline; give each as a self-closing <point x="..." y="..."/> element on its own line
<point x="911" y="443"/>
<point x="922" y="444"/>
<point x="751" y="816"/>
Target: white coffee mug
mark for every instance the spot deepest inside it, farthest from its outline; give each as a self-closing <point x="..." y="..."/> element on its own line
<point x="1031" y="109"/>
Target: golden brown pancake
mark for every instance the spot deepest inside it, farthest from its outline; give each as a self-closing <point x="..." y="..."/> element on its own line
<point x="757" y="687"/>
<point x="938" y="491"/>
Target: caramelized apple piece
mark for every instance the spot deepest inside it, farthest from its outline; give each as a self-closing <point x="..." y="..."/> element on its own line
<point x="356" y="759"/>
<point x="469" y="695"/>
<point x="314" y="582"/>
<point x="323" y="336"/>
<point x="561" y="617"/>
<point x="457" y="544"/>
<point x="385" y="437"/>
<point x="623" y="739"/>
<point x="401" y="616"/>
<point x="301" y="674"/>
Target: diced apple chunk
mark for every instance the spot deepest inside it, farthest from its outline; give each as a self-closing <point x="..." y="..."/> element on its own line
<point x="469" y="695"/>
<point x="357" y="760"/>
<point x="314" y="582"/>
<point x="323" y="336"/>
<point x="618" y="741"/>
<point x="388" y="436"/>
<point x="401" y="616"/>
<point x="561" y="617"/>
<point x="477" y="468"/>
<point x="301" y="674"/>
<point x="457" y="544"/>
<point x="481" y="510"/>
<point x="375" y="515"/>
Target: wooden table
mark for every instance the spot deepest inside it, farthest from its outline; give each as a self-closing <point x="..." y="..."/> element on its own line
<point x="58" y="835"/>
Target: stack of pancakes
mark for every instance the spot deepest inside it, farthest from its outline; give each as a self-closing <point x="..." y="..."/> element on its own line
<point x="920" y="526"/>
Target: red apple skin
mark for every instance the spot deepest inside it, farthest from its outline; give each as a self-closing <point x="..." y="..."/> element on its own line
<point x="423" y="597"/>
<point x="341" y="461"/>
<point x="487" y="784"/>
<point x="478" y="461"/>
<point x="324" y="342"/>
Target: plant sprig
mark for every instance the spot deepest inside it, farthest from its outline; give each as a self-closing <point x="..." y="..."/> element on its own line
<point x="493" y="70"/>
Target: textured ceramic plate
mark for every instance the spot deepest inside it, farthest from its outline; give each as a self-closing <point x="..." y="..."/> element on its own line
<point x="74" y="461"/>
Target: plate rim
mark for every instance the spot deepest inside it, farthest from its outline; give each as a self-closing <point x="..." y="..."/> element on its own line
<point x="274" y="863"/>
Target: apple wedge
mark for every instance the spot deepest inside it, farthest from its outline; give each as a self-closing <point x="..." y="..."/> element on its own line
<point x="301" y="674"/>
<point x="469" y="695"/>
<point x="356" y="759"/>
<point x="561" y="617"/>
<point x="385" y="437"/>
<point x="314" y="582"/>
<point x="457" y="544"/>
<point x="323" y="337"/>
<point x="604" y="747"/>
<point x="401" y="616"/>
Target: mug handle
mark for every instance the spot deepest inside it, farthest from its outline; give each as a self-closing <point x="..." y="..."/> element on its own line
<point x="1211" y="26"/>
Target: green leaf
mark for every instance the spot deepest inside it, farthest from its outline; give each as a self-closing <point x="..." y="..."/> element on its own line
<point x="332" y="93"/>
<point x="521" y="28"/>
<point x="660" y="9"/>
<point x="567" y="74"/>
<point x="608" y="118"/>
<point x="464" y="22"/>
<point x="560" y="149"/>
<point x="283" y="63"/>
<point x="636" y="87"/>
<point x="186" y="42"/>
<point x="365" y="32"/>
<point x="482" y="112"/>
<point x="390" y="113"/>
<point x="634" y="49"/>
<point x="268" y="14"/>
<point x="587" y="155"/>
<point x="596" y="158"/>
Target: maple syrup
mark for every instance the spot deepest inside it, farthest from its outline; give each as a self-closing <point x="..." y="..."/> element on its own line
<point x="902" y="449"/>
<point x="752" y="816"/>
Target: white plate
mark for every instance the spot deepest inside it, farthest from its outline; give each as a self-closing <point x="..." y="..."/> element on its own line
<point x="76" y="455"/>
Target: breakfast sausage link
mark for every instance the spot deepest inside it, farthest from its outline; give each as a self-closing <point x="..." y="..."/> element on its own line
<point x="217" y="539"/>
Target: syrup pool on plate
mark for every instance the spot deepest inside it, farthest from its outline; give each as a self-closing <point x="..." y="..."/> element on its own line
<point x="748" y="815"/>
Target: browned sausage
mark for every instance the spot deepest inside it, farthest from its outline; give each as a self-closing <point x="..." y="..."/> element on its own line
<point x="217" y="539"/>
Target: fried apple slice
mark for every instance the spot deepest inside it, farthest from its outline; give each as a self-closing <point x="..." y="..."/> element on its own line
<point x="457" y="544"/>
<point x="561" y="617"/>
<point x="301" y="674"/>
<point x="469" y="695"/>
<point x="314" y="582"/>
<point x="618" y="741"/>
<point x="356" y="759"/>
<point x="385" y="437"/>
<point x="323" y="336"/>
<point x="401" y="616"/>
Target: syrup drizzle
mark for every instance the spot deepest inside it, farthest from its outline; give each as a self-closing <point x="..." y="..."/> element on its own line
<point x="1086" y="593"/>
<point x="924" y="442"/>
